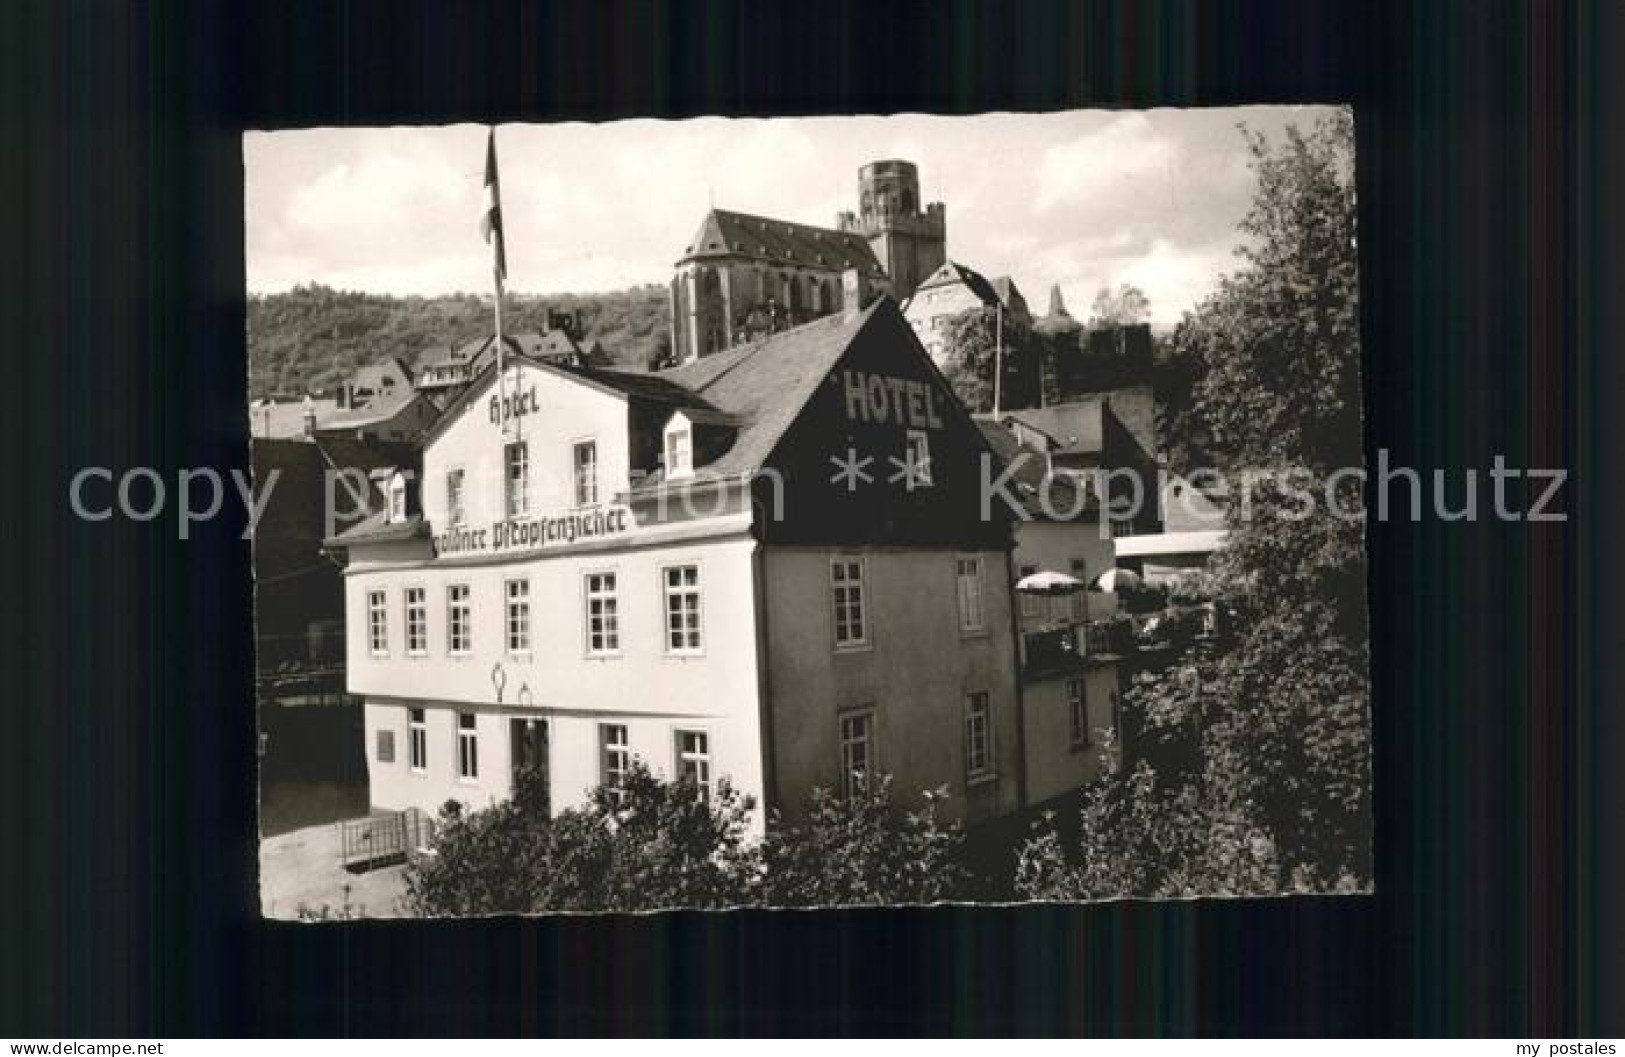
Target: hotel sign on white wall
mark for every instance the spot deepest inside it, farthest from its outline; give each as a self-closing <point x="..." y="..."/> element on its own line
<point x="527" y="534"/>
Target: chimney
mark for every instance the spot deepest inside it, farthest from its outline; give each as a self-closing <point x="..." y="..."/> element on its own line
<point x="855" y="292"/>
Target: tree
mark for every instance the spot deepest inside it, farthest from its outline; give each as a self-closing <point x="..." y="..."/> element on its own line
<point x="1278" y="342"/>
<point x="312" y="337"/>
<point x="1126" y="306"/>
<point x="971" y="340"/>
<point x="1277" y="789"/>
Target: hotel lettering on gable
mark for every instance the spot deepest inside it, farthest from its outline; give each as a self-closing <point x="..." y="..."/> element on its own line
<point x="596" y="567"/>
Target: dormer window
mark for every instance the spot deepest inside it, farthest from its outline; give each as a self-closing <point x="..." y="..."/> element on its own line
<point x="397" y="497"/>
<point x="679" y="450"/>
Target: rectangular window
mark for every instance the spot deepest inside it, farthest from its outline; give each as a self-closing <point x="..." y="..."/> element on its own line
<point x="694" y="759"/>
<point x="857" y="752"/>
<point x="585" y="460"/>
<point x="603" y="615"/>
<point x="377" y="623"/>
<point x="1031" y="605"/>
<point x="397" y="500"/>
<point x="683" y="609"/>
<point x="517" y="593"/>
<point x="978" y="736"/>
<point x="614" y="755"/>
<point x="468" y="746"/>
<point x="516" y="478"/>
<point x="418" y="743"/>
<point x="968" y="575"/>
<point x="454" y="497"/>
<point x="917" y="459"/>
<point x="459" y="620"/>
<point x="679" y="453"/>
<point x="386" y="746"/>
<point x="846" y="587"/>
<point x="417" y="622"/>
<point x="1077" y="711"/>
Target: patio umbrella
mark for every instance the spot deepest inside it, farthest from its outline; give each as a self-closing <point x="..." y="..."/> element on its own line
<point x="1049" y="583"/>
<point x="1118" y="580"/>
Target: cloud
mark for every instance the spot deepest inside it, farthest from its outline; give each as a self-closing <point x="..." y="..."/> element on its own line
<point x="374" y="192"/>
<point x="1124" y="154"/>
<point x="1176" y="278"/>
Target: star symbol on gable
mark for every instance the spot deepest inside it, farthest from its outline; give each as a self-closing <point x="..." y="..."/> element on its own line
<point x="851" y="470"/>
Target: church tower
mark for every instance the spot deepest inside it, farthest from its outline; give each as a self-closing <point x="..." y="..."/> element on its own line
<point x="909" y="238"/>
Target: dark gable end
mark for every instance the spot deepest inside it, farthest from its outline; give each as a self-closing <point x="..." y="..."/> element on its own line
<point x="880" y="387"/>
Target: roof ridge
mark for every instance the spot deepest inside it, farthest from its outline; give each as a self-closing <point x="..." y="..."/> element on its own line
<point x="751" y="349"/>
<point x="747" y="351"/>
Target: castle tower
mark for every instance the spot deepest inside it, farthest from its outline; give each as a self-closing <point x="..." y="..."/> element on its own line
<point x="909" y="238"/>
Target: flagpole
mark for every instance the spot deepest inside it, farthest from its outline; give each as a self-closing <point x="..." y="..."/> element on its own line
<point x="491" y="228"/>
<point x="998" y="357"/>
<point x="502" y="373"/>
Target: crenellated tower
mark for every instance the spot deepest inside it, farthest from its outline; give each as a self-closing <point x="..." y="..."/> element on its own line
<point x="909" y="237"/>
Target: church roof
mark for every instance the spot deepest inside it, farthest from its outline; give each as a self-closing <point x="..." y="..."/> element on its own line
<point x="724" y="233"/>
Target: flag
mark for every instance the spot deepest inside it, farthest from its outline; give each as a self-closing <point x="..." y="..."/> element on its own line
<point x="491" y="218"/>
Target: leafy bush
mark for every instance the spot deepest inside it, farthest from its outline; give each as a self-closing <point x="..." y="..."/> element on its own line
<point x="861" y="850"/>
<point x="1150" y="839"/>
<point x="650" y="844"/>
<point x="647" y="845"/>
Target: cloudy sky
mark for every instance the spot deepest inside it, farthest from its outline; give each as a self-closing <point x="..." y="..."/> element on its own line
<point x="1084" y="199"/>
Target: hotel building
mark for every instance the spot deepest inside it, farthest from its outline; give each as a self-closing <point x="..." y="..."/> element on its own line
<point x="770" y="565"/>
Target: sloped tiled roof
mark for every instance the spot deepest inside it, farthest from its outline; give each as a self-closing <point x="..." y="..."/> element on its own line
<point x="655" y="388"/>
<point x="380" y="408"/>
<point x="378" y="529"/>
<point x="765" y="384"/>
<point x="285" y="419"/>
<point x="1031" y="476"/>
<point x="1078" y="426"/>
<point x="372" y="376"/>
<point x="724" y="233"/>
<point x="952" y="272"/>
<point x="367" y="455"/>
<point x="1009" y="293"/>
<point x="554" y="344"/>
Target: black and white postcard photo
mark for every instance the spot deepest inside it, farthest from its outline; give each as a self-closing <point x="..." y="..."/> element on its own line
<point x="807" y="512"/>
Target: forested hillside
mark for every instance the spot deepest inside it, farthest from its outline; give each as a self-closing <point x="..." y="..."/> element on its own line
<point x="313" y="337"/>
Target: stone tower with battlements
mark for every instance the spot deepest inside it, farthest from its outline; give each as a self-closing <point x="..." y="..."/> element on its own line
<point x="909" y="237"/>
